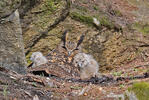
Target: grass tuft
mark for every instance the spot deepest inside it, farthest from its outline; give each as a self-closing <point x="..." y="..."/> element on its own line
<point x="141" y="90"/>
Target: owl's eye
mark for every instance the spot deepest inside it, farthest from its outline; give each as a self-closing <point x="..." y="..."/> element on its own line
<point x="64" y="47"/>
<point x="76" y="49"/>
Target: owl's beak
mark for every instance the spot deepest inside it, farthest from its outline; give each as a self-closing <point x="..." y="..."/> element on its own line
<point x="69" y="53"/>
<point x="80" y="64"/>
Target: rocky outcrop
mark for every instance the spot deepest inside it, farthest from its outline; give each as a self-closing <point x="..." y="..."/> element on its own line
<point x="11" y="44"/>
<point x="8" y="7"/>
<point x="113" y="42"/>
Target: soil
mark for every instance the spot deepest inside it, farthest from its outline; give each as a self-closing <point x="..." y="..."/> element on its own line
<point x="122" y="55"/>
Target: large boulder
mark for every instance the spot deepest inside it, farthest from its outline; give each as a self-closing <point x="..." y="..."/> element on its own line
<point x="11" y="43"/>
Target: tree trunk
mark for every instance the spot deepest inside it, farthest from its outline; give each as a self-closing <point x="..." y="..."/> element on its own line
<point x="11" y="43"/>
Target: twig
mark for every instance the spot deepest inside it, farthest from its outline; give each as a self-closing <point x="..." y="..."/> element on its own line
<point x="146" y="65"/>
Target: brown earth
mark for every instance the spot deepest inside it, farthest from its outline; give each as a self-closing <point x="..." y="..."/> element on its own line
<point x="120" y="46"/>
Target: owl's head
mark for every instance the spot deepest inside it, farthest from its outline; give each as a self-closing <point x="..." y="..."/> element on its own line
<point x="35" y="55"/>
<point x="71" y="48"/>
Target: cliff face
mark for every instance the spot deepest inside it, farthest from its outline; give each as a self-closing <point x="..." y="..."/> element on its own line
<point x="7" y="7"/>
<point x="120" y="37"/>
<point x="117" y="37"/>
<point x="11" y="41"/>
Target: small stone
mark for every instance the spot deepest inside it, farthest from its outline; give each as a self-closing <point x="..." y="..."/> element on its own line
<point x="52" y="60"/>
<point x="100" y="88"/>
<point x="35" y="97"/>
<point x="62" y="63"/>
<point x="85" y="94"/>
<point x="95" y="21"/>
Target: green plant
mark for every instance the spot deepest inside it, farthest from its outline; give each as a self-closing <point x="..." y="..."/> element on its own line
<point x="141" y="90"/>
<point x="135" y="69"/>
<point x="51" y="5"/>
<point x="81" y="8"/>
<point x="95" y="7"/>
<point x="76" y="87"/>
<point x="106" y="22"/>
<point x="45" y="10"/>
<point x="28" y="58"/>
<point x="117" y="12"/>
<point x="141" y="27"/>
<point x="5" y="92"/>
<point x="82" y="18"/>
<point x="121" y="85"/>
<point x="125" y="74"/>
<point x="117" y="73"/>
<point x="34" y="84"/>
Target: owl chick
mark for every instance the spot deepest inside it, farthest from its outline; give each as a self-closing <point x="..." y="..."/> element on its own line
<point x="38" y="59"/>
<point x="87" y="65"/>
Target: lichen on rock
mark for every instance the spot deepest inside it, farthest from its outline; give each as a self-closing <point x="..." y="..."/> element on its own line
<point x="8" y="6"/>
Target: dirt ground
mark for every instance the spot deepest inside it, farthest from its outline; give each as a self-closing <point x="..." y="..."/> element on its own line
<point x="53" y="82"/>
<point x="41" y="83"/>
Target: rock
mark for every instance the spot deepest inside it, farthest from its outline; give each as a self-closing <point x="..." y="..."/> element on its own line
<point x="138" y="91"/>
<point x="131" y="95"/>
<point x="7" y="7"/>
<point x="11" y="44"/>
<point x="116" y="96"/>
<point x="96" y="22"/>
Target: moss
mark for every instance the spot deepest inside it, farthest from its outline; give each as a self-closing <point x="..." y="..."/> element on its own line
<point x="44" y="11"/>
<point x="15" y="3"/>
<point x="141" y="27"/>
<point x="117" y="73"/>
<point x="106" y="22"/>
<point x="82" y="9"/>
<point x="95" y="7"/>
<point x="141" y="90"/>
<point x="76" y="87"/>
<point x="117" y="13"/>
<point x="5" y="92"/>
<point x="8" y="5"/>
<point x="85" y="19"/>
<point x="28" y="58"/>
<point x="127" y="96"/>
<point x="146" y="29"/>
<point x="51" y="4"/>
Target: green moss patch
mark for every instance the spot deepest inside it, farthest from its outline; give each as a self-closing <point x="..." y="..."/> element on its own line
<point x="143" y="28"/>
<point x="28" y="59"/>
<point x="106" y="22"/>
<point x="141" y="90"/>
<point x="81" y="8"/>
<point x="117" y="12"/>
<point x="82" y="18"/>
<point x="95" y="7"/>
<point x="43" y="13"/>
<point x="51" y="5"/>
